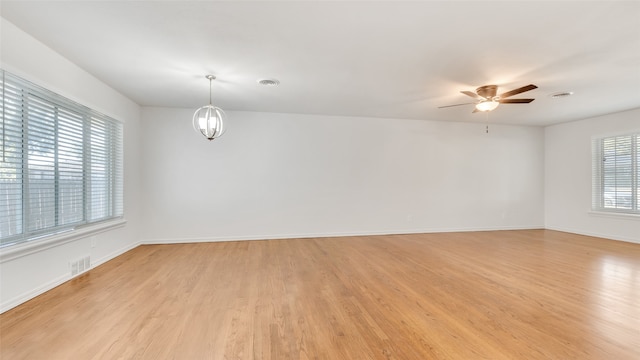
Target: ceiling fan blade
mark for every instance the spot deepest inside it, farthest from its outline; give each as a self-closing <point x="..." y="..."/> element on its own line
<point x="472" y="94"/>
<point x="475" y="110"/>
<point x="517" y="91"/>
<point x="515" y="101"/>
<point x="446" y="106"/>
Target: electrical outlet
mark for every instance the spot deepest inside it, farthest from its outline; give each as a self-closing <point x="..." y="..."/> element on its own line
<point x="93" y="241"/>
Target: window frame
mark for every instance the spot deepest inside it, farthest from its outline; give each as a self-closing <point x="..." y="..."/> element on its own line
<point x="26" y="239"/>
<point x="599" y="183"/>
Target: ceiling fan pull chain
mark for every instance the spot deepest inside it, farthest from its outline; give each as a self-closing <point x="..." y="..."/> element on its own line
<point x="487" y="122"/>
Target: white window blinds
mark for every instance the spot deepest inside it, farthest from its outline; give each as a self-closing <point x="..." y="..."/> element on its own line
<point x="60" y="164"/>
<point x="616" y="174"/>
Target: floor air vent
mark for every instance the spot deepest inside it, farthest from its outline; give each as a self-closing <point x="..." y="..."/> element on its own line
<point x="80" y="265"/>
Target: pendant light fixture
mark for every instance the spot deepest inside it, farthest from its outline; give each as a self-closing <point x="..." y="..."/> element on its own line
<point x="209" y="119"/>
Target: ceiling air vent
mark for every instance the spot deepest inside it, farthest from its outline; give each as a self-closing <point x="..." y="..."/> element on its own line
<point x="561" y="94"/>
<point x="269" y="82"/>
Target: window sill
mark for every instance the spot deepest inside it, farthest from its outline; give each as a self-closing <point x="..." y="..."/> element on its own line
<point x="616" y="215"/>
<point x="30" y="247"/>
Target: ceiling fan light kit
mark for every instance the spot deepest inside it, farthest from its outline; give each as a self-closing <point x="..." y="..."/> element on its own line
<point x="487" y="100"/>
<point x="487" y="105"/>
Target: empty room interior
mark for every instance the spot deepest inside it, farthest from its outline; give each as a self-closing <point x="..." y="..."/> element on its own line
<point x="320" y="180"/>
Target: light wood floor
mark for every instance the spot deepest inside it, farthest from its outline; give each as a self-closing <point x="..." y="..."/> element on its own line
<point x="531" y="294"/>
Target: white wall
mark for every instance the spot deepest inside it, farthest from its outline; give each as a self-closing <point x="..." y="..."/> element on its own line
<point x="282" y="175"/>
<point x="568" y="177"/>
<point x="24" y="277"/>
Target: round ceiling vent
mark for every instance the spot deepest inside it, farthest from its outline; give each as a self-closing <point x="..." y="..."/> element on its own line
<point x="561" y="94"/>
<point x="269" y="82"/>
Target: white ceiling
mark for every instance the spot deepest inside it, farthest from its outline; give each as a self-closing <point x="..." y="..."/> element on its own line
<point x="359" y="58"/>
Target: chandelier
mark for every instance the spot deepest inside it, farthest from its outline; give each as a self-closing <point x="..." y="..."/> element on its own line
<point x="209" y="119"/>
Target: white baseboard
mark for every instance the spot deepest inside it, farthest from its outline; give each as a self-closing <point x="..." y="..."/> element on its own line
<point x="594" y="234"/>
<point x="11" y="303"/>
<point x="327" y="234"/>
<point x="114" y="254"/>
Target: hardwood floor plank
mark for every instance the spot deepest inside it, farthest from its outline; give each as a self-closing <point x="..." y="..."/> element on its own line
<point x="532" y="294"/>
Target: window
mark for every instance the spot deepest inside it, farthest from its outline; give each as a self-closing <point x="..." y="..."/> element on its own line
<point x="616" y="174"/>
<point x="60" y="163"/>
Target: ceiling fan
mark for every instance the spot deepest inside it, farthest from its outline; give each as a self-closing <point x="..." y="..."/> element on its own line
<point x="487" y="99"/>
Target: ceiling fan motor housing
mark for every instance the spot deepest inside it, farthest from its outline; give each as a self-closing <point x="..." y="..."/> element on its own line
<point x="488" y="91"/>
